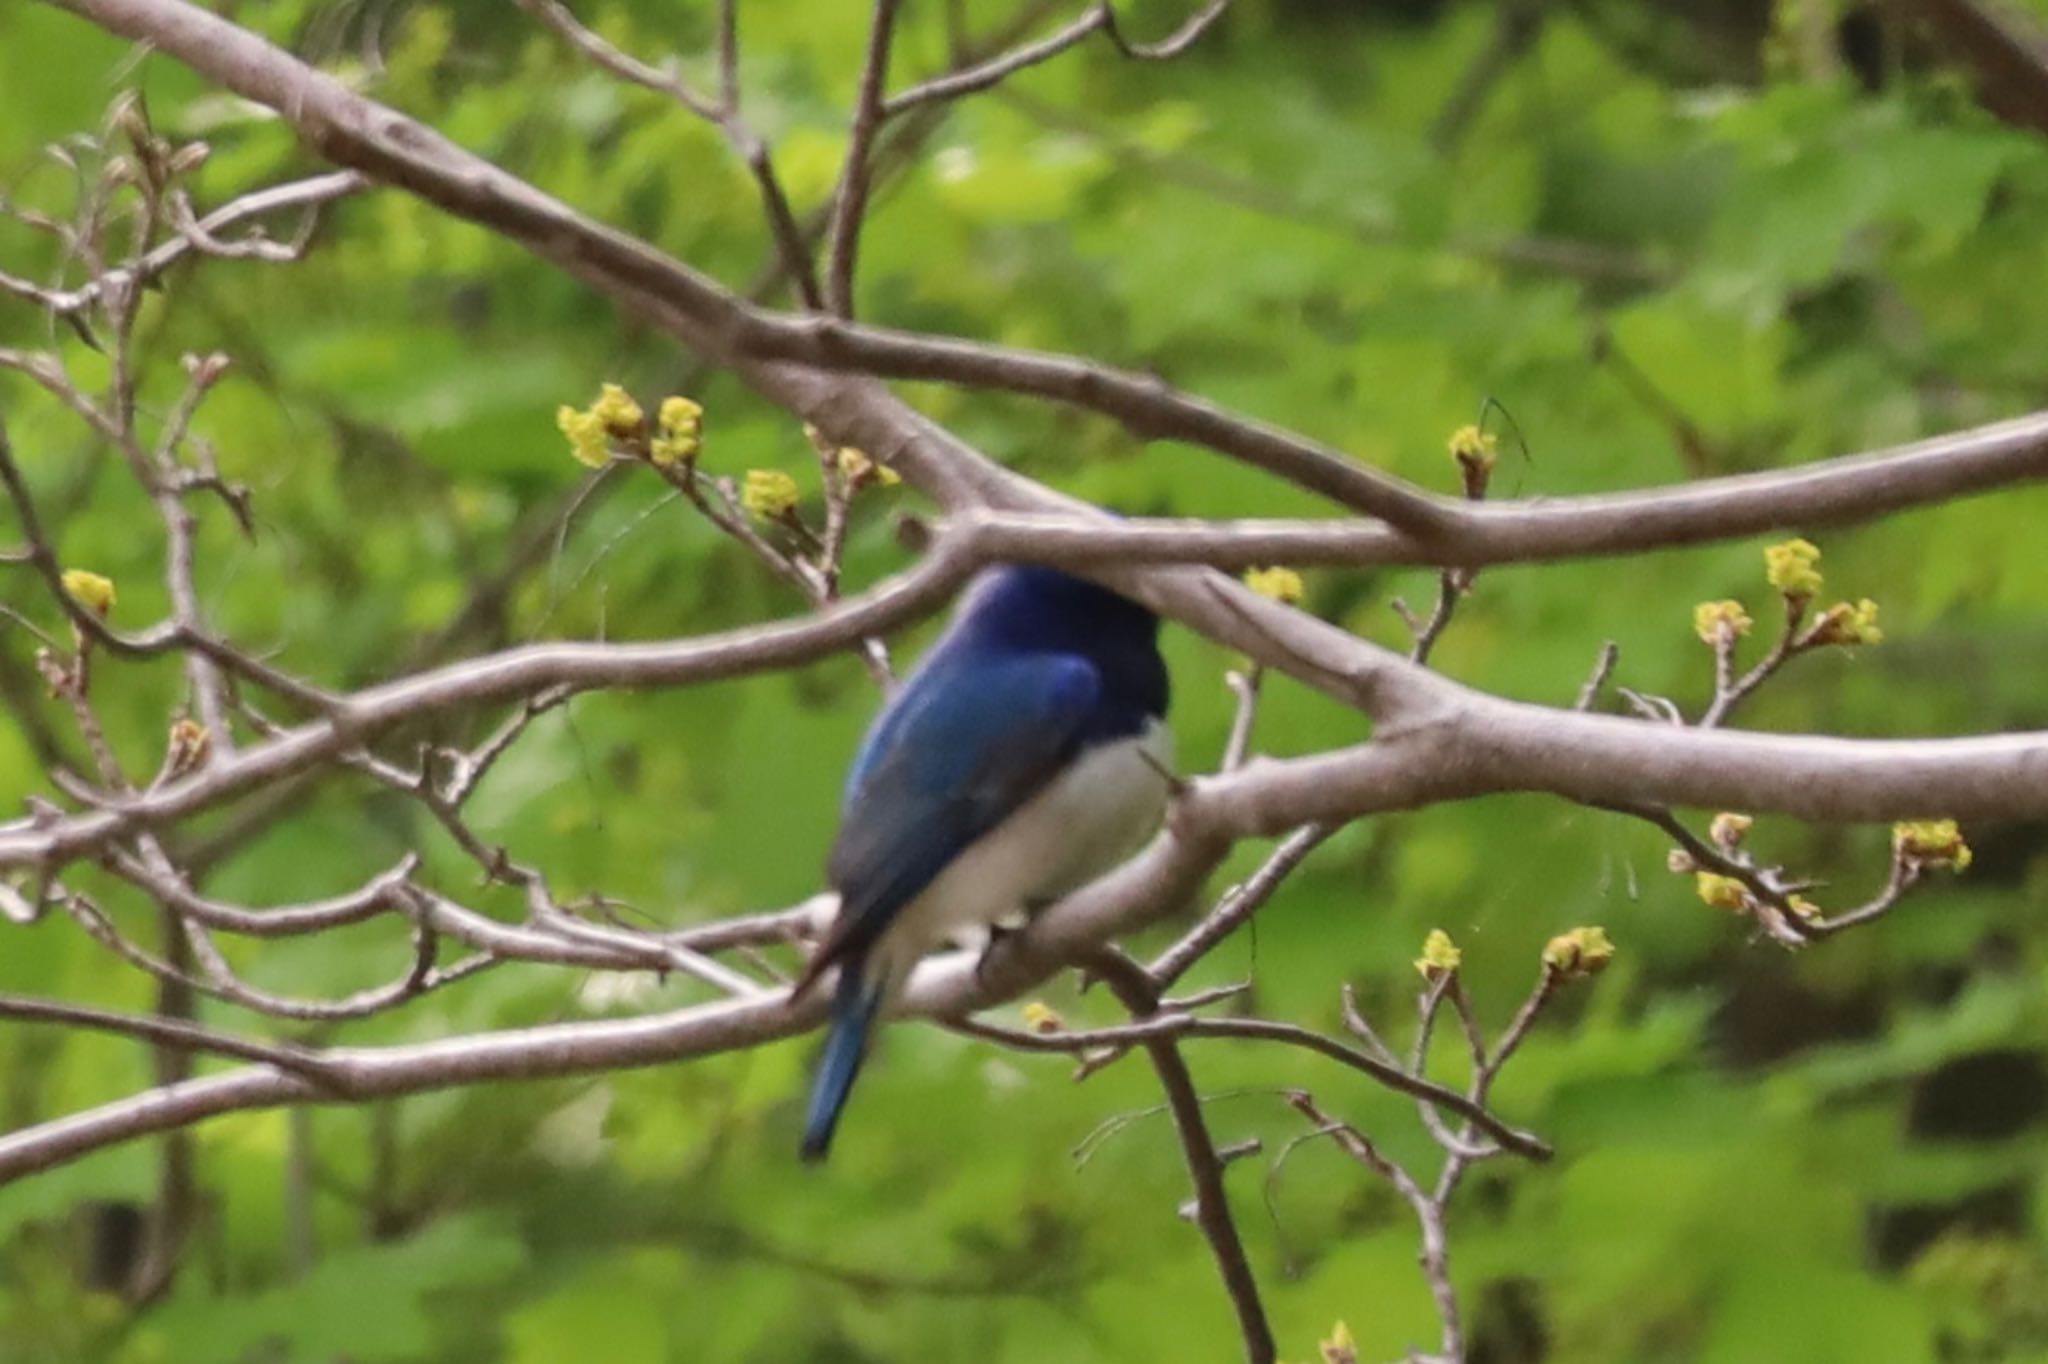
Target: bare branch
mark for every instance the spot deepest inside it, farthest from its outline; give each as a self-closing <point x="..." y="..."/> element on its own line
<point x="621" y="64"/>
<point x="1238" y="905"/>
<point x="790" y="238"/>
<point x="728" y="57"/>
<point x="381" y="893"/>
<point x="1098" y="18"/>
<point x="1837" y="491"/>
<point x="506" y="676"/>
<point x="1603" y="668"/>
<point x="309" y="193"/>
<point x="850" y="203"/>
<point x="988" y="74"/>
<point x="1198" y="1148"/>
<point x="291" y="1059"/>
<point x="1173" y="1027"/>
<point x="349" y="128"/>
<point x="1429" y="1216"/>
<point x="1174" y="43"/>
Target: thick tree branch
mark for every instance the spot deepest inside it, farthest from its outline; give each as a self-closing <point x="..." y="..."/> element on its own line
<point x="1839" y="491"/>
<point x="511" y="675"/>
<point x="1829" y="778"/>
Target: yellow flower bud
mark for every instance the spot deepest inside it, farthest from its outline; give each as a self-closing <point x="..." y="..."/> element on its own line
<point x="90" y="590"/>
<point x="1793" y="567"/>
<point x="1847" y="625"/>
<point x="1439" y="955"/>
<point x="667" y="450"/>
<point x="586" y="433"/>
<point x="1714" y="620"/>
<point x="1476" y="452"/>
<point x="858" y="469"/>
<point x="1729" y="829"/>
<point x="1340" y="1348"/>
<point x="1931" y="843"/>
<point x="189" y="745"/>
<point x="617" y="410"/>
<point x="1803" y="907"/>
<point x="1281" y="584"/>
<point x="680" y="416"/>
<point x="769" y="493"/>
<point x="1581" y="952"/>
<point x="1722" y="892"/>
<point x="1474" y="449"/>
<point x="681" y="435"/>
<point x="1043" y="1018"/>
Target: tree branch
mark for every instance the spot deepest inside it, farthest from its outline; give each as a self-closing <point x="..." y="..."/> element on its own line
<point x="1198" y="1148"/>
<point x="850" y="204"/>
<point x="309" y="193"/>
<point x="1097" y="18"/>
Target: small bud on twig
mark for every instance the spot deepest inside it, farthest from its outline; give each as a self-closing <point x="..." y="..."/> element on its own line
<point x="1440" y="956"/>
<point x="769" y="494"/>
<point x="1792" y="566"/>
<point x="1729" y="829"/>
<point x="1280" y="584"/>
<point x="1931" y="843"/>
<point x="1579" y="953"/>
<point x="90" y="590"/>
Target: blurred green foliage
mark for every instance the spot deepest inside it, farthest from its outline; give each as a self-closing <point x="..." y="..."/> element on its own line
<point x="1661" y="259"/>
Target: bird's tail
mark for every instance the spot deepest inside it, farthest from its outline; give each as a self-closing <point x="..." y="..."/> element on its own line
<point x="853" y="1017"/>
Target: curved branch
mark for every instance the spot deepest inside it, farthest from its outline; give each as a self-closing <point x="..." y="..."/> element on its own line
<point x="309" y="193"/>
<point x="974" y="79"/>
<point x="1422" y="527"/>
<point x="286" y="1057"/>
<point x="624" y="65"/>
<point x="386" y="145"/>
<point x="850" y="203"/>
<point x="1493" y="746"/>
<point x="942" y="987"/>
<point x="1099" y="17"/>
<point x="510" y="675"/>
<point x="1838" y="491"/>
<point x="1174" y="43"/>
<point x="1145" y="405"/>
<point x="382" y="892"/>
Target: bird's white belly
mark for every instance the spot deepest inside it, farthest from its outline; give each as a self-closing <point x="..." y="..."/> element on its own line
<point x="1083" y="823"/>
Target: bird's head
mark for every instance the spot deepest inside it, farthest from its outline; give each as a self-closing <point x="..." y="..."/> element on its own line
<point x="1035" y="606"/>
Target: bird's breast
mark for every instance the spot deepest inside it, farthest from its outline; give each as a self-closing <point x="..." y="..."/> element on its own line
<point x="1083" y="822"/>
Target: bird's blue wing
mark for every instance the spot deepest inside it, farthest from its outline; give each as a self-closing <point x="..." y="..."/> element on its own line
<point x="963" y="746"/>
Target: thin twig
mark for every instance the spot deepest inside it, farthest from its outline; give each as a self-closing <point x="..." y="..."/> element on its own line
<point x="1237" y="905"/>
<point x="850" y="202"/>
<point x="1205" y="1166"/>
<point x="168" y="1032"/>
<point x="621" y="64"/>
<point x="1603" y="668"/>
<point x="973" y="79"/>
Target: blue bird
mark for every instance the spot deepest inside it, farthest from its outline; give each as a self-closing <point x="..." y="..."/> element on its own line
<point x="1027" y="754"/>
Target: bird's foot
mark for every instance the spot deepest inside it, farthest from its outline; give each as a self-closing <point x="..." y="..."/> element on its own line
<point x="990" y="941"/>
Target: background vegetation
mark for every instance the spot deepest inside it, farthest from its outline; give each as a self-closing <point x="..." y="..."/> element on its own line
<point x="1669" y="241"/>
